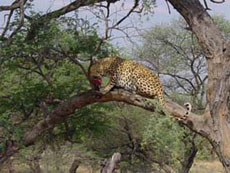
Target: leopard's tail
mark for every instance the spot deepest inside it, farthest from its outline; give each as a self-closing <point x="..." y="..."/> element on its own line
<point x="188" y="107"/>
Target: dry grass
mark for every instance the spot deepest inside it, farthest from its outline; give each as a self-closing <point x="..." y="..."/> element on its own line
<point x="198" y="167"/>
<point x="207" y="167"/>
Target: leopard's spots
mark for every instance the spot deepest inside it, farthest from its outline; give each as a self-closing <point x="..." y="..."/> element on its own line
<point x="130" y="75"/>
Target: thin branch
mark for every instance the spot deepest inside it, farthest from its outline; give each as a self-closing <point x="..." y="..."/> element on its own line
<point x="167" y="3"/>
<point x="108" y="10"/>
<point x="206" y="5"/>
<point x="218" y="2"/>
<point x="7" y="23"/>
<point x="47" y="79"/>
<point x="181" y="85"/>
<point x="136" y="3"/>
<point x="21" y="19"/>
<point x="70" y="7"/>
<point x="195" y="74"/>
<point x="177" y="48"/>
<point x="180" y="77"/>
<point x="67" y="108"/>
<point x="74" y="59"/>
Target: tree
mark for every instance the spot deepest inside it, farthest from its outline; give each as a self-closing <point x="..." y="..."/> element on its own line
<point x="213" y="125"/>
<point x="171" y="50"/>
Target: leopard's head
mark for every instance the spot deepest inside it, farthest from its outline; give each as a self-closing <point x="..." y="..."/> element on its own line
<point x="96" y="70"/>
<point x="101" y="67"/>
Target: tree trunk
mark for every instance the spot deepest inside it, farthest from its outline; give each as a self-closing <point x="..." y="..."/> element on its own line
<point x="217" y="52"/>
<point x="189" y="158"/>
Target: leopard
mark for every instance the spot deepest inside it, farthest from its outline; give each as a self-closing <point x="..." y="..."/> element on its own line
<point x="128" y="75"/>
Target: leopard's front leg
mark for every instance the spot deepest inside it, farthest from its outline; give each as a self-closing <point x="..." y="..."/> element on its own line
<point x="109" y="86"/>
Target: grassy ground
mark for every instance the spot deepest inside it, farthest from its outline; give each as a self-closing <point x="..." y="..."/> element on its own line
<point x="198" y="167"/>
<point x="207" y="167"/>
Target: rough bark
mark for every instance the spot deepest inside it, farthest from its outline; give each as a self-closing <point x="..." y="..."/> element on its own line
<point x="217" y="52"/>
<point x="67" y="108"/>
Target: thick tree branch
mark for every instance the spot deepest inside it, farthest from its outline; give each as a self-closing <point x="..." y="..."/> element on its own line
<point x="136" y="3"/>
<point x="110" y="165"/>
<point x="68" y="107"/>
<point x="199" y="124"/>
<point x="71" y="7"/>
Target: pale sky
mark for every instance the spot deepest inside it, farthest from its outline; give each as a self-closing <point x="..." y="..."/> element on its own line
<point x="161" y="14"/>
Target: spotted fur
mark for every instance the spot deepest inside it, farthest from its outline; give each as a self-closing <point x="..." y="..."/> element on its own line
<point x="188" y="107"/>
<point x="130" y="76"/>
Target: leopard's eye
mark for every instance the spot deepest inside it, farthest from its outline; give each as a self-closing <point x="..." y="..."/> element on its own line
<point x="95" y="77"/>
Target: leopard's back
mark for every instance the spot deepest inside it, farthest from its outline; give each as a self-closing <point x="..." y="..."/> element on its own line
<point x="131" y="76"/>
<point x="137" y="78"/>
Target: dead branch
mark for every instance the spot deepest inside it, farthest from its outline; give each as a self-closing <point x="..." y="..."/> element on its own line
<point x="136" y="3"/>
<point x="112" y="164"/>
<point x="218" y="2"/>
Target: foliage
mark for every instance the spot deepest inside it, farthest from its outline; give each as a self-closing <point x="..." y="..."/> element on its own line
<point x="147" y="141"/>
<point x="166" y="137"/>
<point x="38" y="74"/>
<point x="34" y="74"/>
